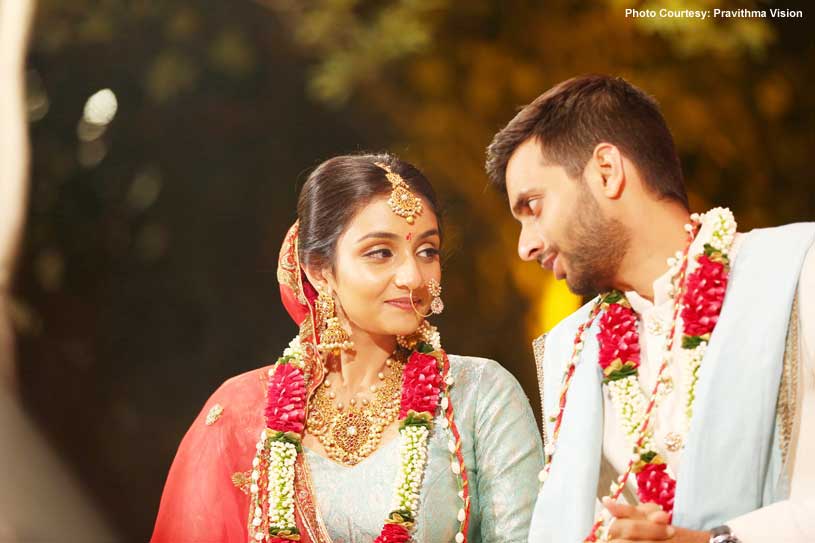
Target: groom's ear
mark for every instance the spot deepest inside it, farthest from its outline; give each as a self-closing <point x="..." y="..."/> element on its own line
<point x="610" y="170"/>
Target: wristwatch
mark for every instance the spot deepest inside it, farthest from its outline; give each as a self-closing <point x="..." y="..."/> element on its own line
<point x="722" y="534"/>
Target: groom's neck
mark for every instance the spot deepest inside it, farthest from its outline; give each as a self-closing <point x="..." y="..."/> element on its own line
<point x="657" y="232"/>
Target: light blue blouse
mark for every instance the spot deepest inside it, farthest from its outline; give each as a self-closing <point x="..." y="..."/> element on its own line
<point x="502" y="451"/>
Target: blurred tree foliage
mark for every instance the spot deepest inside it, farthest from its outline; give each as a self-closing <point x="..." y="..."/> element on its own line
<point x="148" y="269"/>
<point x="148" y="272"/>
<point x="735" y="93"/>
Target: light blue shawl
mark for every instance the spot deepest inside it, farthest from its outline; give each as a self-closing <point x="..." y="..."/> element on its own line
<point x="732" y="463"/>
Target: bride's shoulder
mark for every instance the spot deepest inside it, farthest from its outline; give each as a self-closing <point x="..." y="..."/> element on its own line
<point x="471" y="371"/>
<point x="244" y="390"/>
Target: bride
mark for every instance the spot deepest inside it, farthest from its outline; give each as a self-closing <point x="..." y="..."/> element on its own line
<point x="364" y="429"/>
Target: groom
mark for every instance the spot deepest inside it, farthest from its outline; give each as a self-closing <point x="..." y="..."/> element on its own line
<point x="679" y="404"/>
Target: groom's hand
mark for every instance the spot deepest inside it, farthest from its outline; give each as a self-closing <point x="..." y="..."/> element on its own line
<point x="647" y="523"/>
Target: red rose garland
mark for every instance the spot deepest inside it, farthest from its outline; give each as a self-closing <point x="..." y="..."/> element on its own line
<point x="425" y="380"/>
<point x="619" y="341"/>
<point x="286" y="400"/>
<point x="425" y="388"/>
<point x="701" y="297"/>
<point x="619" y="356"/>
<point x="654" y="485"/>
<point x="704" y="296"/>
<point x="393" y="533"/>
<point x="421" y="385"/>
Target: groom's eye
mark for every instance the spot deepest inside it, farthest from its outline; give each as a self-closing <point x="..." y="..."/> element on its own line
<point x="534" y="205"/>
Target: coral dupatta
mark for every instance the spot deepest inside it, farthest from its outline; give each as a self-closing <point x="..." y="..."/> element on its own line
<point x="205" y="499"/>
<point x="299" y="296"/>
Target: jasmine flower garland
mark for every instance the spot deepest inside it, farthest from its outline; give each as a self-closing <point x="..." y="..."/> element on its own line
<point x="426" y="382"/>
<point x="700" y="299"/>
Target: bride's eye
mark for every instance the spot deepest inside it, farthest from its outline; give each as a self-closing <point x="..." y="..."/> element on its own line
<point x="379" y="254"/>
<point x="429" y="252"/>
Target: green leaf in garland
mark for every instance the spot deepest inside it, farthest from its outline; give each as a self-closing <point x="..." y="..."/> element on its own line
<point x="291" y="534"/>
<point x="417" y="419"/>
<point x="401" y="516"/>
<point x="716" y="255"/>
<point x="621" y="373"/>
<point x="285" y="359"/>
<point x="286" y="437"/>
<point x="619" y="370"/>
<point x="648" y="456"/>
<point x="424" y="347"/>
<point x="691" y="342"/>
<point x="612" y="297"/>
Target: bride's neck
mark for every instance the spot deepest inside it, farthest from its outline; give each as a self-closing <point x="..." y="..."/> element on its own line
<point x="360" y="367"/>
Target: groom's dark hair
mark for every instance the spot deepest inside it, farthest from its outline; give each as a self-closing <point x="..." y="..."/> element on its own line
<point x="571" y="118"/>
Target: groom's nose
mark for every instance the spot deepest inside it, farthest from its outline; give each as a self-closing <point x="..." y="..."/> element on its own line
<point x="530" y="244"/>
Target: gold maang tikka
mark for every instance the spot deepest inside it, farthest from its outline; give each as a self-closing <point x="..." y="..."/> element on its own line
<point x="402" y="201"/>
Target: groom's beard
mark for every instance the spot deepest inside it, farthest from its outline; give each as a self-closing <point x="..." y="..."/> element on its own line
<point x="595" y="248"/>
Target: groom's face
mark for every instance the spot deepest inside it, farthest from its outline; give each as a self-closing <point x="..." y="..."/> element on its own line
<point x="563" y="227"/>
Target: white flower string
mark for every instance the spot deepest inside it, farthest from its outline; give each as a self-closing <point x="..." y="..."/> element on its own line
<point x="272" y="489"/>
<point x="282" y="456"/>
<point x="634" y="410"/>
<point x="413" y="457"/>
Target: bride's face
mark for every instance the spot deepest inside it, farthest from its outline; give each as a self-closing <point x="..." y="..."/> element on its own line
<point x="379" y="259"/>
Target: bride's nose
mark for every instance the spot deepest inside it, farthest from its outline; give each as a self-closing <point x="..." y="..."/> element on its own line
<point x="408" y="274"/>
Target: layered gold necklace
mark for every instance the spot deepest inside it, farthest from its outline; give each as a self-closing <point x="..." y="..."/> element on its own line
<point x="350" y="433"/>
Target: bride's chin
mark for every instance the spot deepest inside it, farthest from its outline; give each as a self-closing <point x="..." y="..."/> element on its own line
<point x="405" y="328"/>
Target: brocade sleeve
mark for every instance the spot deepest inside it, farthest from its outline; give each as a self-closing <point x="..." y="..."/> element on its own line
<point x="509" y="456"/>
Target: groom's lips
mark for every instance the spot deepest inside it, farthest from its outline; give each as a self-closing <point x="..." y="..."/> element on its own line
<point x="560" y="273"/>
<point x="548" y="262"/>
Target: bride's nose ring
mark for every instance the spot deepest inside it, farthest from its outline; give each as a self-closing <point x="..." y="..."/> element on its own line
<point x="436" y="304"/>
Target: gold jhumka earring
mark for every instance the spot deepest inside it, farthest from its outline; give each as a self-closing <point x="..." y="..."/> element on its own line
<point x="402" y="201"/>
<point x="333" y="338"/>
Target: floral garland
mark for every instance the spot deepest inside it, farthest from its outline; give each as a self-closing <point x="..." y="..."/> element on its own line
<point x="703" y="299"/>
<point x="700" y="299"/>
<point x="619" y="359"/>
<point x="426" y="385"/>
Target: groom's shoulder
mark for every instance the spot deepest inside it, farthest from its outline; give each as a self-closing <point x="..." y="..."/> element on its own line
<point x="792" y="230"/>
<point x="573" y="321"/>
<point x="778" y="243"/>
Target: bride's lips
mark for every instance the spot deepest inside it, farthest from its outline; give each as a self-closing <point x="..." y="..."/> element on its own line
<point x="404" y="303"/>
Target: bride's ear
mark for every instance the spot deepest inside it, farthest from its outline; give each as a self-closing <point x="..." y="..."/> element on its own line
<point x="320" y="278"/>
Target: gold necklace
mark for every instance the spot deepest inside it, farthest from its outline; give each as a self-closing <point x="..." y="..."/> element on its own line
<point x="349" y="434"/>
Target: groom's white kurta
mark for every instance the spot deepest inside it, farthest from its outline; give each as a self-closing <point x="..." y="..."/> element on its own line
<point x="733" y="434"/>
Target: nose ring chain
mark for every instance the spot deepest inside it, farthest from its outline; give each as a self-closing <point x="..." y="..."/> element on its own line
<point x="436" y="305"/>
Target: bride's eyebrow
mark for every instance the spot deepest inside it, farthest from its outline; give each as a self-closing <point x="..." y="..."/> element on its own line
<point x="431" y="232"/>
<point x="378" y="235"/>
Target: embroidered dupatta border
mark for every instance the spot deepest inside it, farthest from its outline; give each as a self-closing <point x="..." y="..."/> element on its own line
<point x="308" y="514"/>
<point x="787" y="408"/>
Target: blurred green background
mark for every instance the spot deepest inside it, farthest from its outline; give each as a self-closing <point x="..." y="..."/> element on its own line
<point x="158" y="206"/>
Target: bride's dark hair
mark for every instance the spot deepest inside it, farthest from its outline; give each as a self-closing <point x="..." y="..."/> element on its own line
<point x="337" y="189"/>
